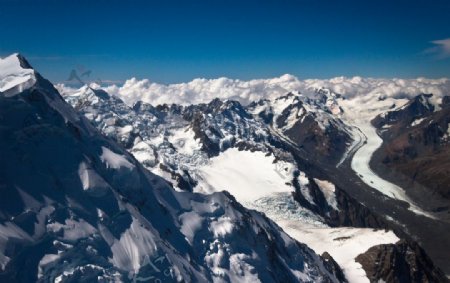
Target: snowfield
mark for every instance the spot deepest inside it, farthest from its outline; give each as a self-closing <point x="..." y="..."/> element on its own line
<point x="247" y="175"/>
<point x="343" y="244"/>
<point x="252" y="178"/>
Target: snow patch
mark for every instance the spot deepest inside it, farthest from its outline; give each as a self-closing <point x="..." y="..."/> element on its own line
<point x="72" y="229"/>
<point x="130" y="251"/>
<point x="304" y="189"/>
<point x="191" y="222"/>
<point x="221" y="227"/>
<point x="114" y="160"/>
<point x="183" y="140"/>
<point x="90" y="180"/>
<point x="328" y="191"/>
<point x="417" y="122"/>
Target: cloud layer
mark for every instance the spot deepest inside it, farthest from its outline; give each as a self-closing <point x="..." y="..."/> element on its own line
<point x="204" y="90"/>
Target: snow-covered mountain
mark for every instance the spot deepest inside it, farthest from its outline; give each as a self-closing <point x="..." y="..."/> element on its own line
<point x="78" y="207"/>
<point x="253" y="152"/>
<point x="84" y="200"/>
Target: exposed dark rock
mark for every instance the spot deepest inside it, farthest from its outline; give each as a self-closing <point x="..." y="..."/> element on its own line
<point x="403" y="262"/>
<point x="446" y="100"/>
<point x="417" y="144"/>
<point x="351" y="213"/>
<point x="333" y="267"/>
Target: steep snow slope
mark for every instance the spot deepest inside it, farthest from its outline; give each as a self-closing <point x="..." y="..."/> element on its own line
<point x="77" y="207"/>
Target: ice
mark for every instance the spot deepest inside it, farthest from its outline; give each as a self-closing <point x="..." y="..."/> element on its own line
<point x="126" y="129"/>
<point x="243" y="271"/>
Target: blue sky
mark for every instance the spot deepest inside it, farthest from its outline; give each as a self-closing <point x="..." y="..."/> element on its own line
<point x="174" y="41"/>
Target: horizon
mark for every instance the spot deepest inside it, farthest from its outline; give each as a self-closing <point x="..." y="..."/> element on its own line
<point x="103" y="83"/>
<point x="174" y="42"/>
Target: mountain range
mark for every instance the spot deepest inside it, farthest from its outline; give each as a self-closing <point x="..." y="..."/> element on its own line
<point x="299" y="187"/>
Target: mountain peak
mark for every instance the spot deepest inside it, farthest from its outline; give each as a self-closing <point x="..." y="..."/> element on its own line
<point x="22" y="61"/>
<point x="16" y="75"/>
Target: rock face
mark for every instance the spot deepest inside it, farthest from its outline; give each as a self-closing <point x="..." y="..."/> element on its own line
<point x="403" y="262"/>
<point x="334" y="267"/>
<point x="417" y="142"/>
<point x="346" y="212"/>
<point x="312" y="123"/>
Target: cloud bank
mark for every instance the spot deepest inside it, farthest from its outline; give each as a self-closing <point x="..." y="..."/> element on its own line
<point x="204" y="90"/>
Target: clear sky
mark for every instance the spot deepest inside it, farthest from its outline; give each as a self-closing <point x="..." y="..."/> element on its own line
<point x="174" y="41"/>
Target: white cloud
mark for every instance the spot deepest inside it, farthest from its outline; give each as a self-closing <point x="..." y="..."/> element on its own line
<point x="441" y="48"/>
<point x="204" y="90"/>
